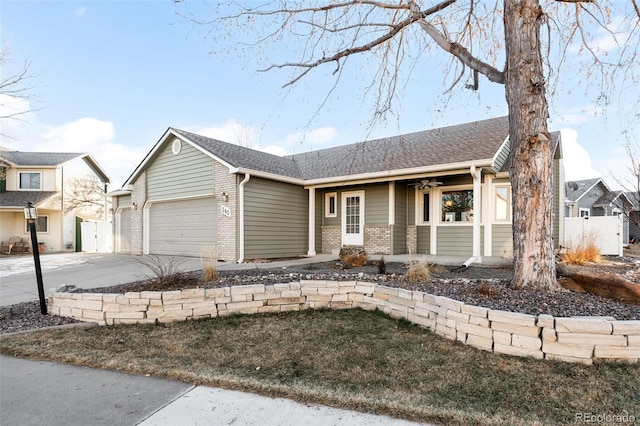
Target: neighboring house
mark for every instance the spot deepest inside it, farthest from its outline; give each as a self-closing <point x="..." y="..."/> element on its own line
<point x="593" y="197"/>
<point x="47" y="180"/>
<point x="634" y="216"/>
<point x="444" y="191"/>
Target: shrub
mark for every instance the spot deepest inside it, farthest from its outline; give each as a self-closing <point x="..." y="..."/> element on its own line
<point x="209" y="259"/>
<point x="419" y="270"/>
<point x="382" y="266"/>
<point x="162" y="268"/>
<point x="584" y="252"/>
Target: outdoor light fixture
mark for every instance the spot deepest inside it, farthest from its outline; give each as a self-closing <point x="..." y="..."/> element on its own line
<point x="225" y="197"/>
<point x="134" y="206"/>
<point x="31" y="214"/>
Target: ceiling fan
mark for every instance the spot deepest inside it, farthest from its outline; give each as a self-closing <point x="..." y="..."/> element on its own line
<point x="428" y="183"/>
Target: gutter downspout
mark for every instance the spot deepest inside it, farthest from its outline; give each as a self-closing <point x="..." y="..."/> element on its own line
<point x="475" y="257"/>
<point x="241" y="217"/>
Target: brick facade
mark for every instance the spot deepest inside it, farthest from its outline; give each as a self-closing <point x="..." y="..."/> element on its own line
<point x="377" y="239"/>
<point x="331" y="236"/>
<point x="227" y="237"/>
<point x="412" y="239"/>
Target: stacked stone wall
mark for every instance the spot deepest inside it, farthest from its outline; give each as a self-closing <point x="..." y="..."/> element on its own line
<point x="539" y="336"/>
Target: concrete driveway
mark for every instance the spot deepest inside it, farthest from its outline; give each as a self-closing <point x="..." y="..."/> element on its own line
<point x="84" y="270"/>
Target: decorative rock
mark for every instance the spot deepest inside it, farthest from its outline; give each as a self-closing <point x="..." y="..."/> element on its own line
<point x="354" y="256"/>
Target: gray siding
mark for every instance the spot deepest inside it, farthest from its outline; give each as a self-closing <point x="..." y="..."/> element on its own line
<point x="169" y="176"/>
<point x="376" y="207"/>
<point x="455" y="240"/>
<point x="411" y="206"/>
<point x="276" y="217"/>
<point x="124" y="201"/>
<point x="319" y="213"/>
<point x="424" y="239"/>
<point x="502" y="240"/>
<point x="399" y="244"/>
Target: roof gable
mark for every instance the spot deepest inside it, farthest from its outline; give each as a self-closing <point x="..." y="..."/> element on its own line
<point x="49" y="159"/>
<point x="575" y="190"/>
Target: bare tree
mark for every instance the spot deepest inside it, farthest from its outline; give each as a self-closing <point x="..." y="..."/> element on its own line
<point x="85" y="194"/>
<point x="15" y="86"/>
<point x="477" y="36"/>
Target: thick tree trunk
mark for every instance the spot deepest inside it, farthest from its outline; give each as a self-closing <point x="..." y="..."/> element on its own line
<point x="531" y="155"/>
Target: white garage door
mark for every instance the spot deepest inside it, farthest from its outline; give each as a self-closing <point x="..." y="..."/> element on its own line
<point x="182" y="227"/>
<point x="124" y="231"/>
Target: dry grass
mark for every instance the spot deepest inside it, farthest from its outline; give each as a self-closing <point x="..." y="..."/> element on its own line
<point x="352" y="359"/>
<point x="418" y="270"/>
<point x="585" y="251"/>
<point x="209" y="259"/>
<point x="162" y="269"/>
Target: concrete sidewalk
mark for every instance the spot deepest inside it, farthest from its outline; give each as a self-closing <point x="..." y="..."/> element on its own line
<point x="39" y="392"/>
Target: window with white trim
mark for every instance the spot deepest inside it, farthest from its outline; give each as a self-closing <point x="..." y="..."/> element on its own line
<point x="457" y="206"/>
<point x="585" y="212"/>
<point x="42" y="225"/>
<point x="502" y="203"/>
<point x="31" y="180"/>
<point x="331" y="204"/>
<point x="424" y="210"/>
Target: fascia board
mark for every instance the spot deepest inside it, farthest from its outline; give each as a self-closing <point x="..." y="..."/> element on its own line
<point x="502" y="147"/>
<point x="266" y="175"/>
<point x="118" y="192"/>
<point x="95" y="167"/>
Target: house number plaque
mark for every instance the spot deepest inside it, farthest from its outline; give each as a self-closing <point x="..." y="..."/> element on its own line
<point x="225" y="211"/>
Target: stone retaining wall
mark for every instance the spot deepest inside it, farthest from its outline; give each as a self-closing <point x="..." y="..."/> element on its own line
<point x="583" y="339"/>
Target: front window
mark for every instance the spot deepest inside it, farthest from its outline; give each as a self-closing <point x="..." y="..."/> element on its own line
<point x="330" y="206"/>
<point x="30" y="180"/>
<point x="503" y="204"/>
<point x="457" y="206"/>
<point x="42" y="224"/>
<point x="424" y="208"/>
<point x="584" y="212"/>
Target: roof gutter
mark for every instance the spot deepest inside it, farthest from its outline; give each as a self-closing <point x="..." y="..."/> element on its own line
<point x="458" y="168"/>
<point x="241" y="217"/>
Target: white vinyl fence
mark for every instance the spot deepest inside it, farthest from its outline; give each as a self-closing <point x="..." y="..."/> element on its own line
<point x="96" y="236"/>
<point x="604" y="231"/>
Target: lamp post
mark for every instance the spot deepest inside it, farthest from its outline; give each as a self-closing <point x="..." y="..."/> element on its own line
<point x="31" y="214"/>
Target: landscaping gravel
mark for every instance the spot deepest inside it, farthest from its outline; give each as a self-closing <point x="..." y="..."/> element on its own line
<point x="480" y="286"/>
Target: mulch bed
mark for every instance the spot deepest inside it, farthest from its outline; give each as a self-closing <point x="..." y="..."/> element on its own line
<point x="476" y="285"/>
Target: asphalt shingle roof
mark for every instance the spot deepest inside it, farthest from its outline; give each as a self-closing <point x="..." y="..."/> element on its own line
<point x="239" y="156"/>
<point x="21" y="198"/>
<point x="473" y="141"/>
<point x="38" y="158"/>
<point x="577" y="188"/>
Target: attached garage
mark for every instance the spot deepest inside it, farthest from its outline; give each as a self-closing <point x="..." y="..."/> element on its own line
<point x="183" y="227"/>
<point x="123" y="231"/>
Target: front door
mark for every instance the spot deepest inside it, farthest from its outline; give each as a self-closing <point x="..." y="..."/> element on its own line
<point x="353" y="218"/>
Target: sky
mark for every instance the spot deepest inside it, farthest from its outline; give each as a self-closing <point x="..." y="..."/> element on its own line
<point x="109" y="77"/>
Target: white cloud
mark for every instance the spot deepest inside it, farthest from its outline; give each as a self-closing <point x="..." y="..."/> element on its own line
<point x="80" y="11"/>
<point x="577" y="161"/>
<point x="91" y="135"/>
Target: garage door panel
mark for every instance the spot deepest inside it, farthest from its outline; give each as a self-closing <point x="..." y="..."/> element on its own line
<point x="124" y="234"/>
<point x="182" y="227"/>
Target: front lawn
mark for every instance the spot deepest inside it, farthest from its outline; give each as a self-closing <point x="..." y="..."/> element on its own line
<point x="350" y="359"/>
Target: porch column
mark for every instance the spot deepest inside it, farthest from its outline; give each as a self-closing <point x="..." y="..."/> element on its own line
<point x="477" y="207"/>
<point x="312" y="222"/>
<point x="488" y="213"/>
